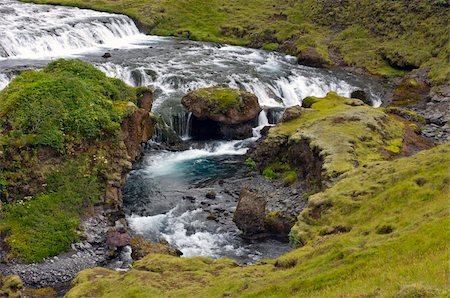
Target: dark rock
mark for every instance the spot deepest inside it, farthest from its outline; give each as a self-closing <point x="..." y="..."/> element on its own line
<point x="250" y="213"/>
<point x="211" y="195"/>
<point x="292" y="113"/>
<point x="106" y="55"/>
<point x="117" y="238"/>
<point x="310" y="57"/>
<point x="219" y="113"/>
<point x="361" y="95"/>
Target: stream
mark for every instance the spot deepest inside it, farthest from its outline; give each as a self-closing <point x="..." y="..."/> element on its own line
<point x="165" y="196"/>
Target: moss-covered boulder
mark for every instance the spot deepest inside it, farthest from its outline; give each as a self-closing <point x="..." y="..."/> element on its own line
<point x="68" y="135"/>
<point x="334" y="135"/>
<point x="11" y="286"/>
<point x="222" y="112"/>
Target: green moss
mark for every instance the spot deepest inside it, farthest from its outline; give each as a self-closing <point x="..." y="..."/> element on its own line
<point x="412" y="257"/>
<point x="61" y="134"/>
<point x="346" y="132"/>
<point x="289" y="177"/>
<point x="271" y="46"/>
<point x="46" y="224"/>
<point x="250" y="163"/>
<point x="309" y="101"/>
<point x="66" y="102"/>
<point x="270" y="174"/>
<point x="222" y="99"/>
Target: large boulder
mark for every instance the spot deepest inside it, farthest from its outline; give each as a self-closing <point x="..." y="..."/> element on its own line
<point x="254" y="217"/>
<point x="250" y="212"/>
<point x="222" y="113"/>
<point x="311" y="57"/>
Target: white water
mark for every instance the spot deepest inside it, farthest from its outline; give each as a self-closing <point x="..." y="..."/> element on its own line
<point x="176" y="227"/>
<point x="4" y="80"/>
<point x="42" y="31"/>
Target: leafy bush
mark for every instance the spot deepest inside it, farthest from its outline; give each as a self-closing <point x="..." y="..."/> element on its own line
<point x="66" y="102"/>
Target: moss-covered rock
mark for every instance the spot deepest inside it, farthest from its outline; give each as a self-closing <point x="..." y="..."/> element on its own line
<point x="69" y="133"/>
<point x="333" y="136"/>
<point x="222" y="112"/>
<point x="11" y="286"/>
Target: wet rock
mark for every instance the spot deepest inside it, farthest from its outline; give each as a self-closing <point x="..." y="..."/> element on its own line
<point x="361" y="95"/>
<point x="222" y="113"/>
<point x="310" y="57"/>
<point x="211" y="195"/>
<point x="292" y="113"/>
<point x="250" y="213"/>
<point x="117" y="237"/>
<point x="141" y="248"/>
<point x="107" y="55"/>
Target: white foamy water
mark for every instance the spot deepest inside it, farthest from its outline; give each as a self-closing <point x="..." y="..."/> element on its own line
<point x="39" y="31"/>
<point x="186" y="231"/>
<point x="4" y="81"/>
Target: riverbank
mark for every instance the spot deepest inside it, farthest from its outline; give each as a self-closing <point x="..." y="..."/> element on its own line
<point x="382" y="37"/>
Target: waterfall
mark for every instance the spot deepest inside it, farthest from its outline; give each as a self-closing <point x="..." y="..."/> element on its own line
<point x="4" y="80"/>
<point x="59" y="31"/>
<point x="187" y="130"/>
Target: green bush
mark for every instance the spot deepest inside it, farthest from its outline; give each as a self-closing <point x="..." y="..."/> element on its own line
<point x="66" y="102"/>
<point x="250" y="163"/>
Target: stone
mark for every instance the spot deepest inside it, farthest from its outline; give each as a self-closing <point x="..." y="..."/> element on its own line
<point x="250" y="213"/>
<point x="221" y="113"/>
<point x="117" y="238"/>
<point x="310" y="57"/>
<point x="107" y="55"/>
<point x="361" y="95"/>
<point x="292" y="113"/>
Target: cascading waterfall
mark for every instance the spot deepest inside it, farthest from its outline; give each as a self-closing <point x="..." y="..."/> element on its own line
<point x="4" y="80"/>
<point x="59" y="31"/>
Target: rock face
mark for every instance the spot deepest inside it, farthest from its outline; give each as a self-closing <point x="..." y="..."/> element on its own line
<point x="222" y="113"/>
<point x="253" y="217"/>
<point x="310" y="57"/>
<point x="361" y="95"/>
<point x="250" y="213"/>
<point x="141" y="248"/>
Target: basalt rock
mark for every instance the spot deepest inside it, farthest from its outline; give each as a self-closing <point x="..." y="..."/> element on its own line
<point x="311" y="57"/>
<point x="222" y="113"/>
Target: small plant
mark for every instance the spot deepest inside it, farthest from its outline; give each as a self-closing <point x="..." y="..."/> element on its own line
<point x="270" y="174"/>
<point x="250" y="163"/>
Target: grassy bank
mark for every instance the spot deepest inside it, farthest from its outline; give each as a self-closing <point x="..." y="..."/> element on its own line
<point x="382" y="233"/>
<point x="60" y="136"/>
<point x="385" y="37"/>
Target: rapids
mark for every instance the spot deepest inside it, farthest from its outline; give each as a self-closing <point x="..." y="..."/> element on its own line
<point x="164" y="195"/>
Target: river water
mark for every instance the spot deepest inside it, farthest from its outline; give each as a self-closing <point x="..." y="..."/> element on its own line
<point x="165" y="194"/>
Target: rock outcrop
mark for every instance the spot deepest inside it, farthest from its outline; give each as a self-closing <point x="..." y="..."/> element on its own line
<point x="254" y="219"/>
<point x="222" y="113"/>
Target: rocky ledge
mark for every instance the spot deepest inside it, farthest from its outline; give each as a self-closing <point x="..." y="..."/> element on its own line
<point x="222" y="113"/>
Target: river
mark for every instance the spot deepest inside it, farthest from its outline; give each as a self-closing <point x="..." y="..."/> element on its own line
<point x="165" y="193"/>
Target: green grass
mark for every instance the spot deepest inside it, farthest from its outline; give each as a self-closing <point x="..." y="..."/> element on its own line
<point x="47" y="224"/>
<point x="395" y="242"/>
<point x="385" y="37"/>
<point x="61" y="138"/>
<point x="66" y="102"/>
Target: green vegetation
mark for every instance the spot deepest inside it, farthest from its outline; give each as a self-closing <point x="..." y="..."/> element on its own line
<point x="384" y="37"/>
<point x="222" y="99"/>
<point x="60" y="134"/>
<point x="379" y="231"/>
<point x="250" y="163"/>
<point x="345" y="132"/>
<point x="270" y="174"/>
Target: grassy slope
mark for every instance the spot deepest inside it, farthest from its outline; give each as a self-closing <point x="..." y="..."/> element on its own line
<point x="364" y="33"/>
<point x="58" y="128"/>
<point x="398" y="217"/>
